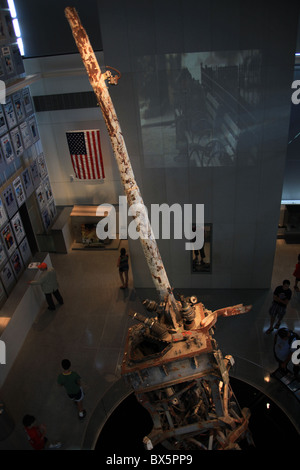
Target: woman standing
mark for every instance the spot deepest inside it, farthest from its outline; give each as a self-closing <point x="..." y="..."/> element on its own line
<point x="123" y="268"/>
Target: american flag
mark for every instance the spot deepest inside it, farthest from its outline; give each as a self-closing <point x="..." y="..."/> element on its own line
<point x="86" y="155"/>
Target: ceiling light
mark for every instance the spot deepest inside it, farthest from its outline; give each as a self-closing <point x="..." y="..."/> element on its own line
<point x="17" y="27"/>
<point x="21" y="46"/>
<point x="12" y="8"/>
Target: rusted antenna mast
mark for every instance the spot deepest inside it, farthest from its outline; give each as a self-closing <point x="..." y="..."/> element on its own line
<point x="97" y="80"/>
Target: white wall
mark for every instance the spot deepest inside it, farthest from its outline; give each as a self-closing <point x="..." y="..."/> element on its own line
<point x="65" y="74"/>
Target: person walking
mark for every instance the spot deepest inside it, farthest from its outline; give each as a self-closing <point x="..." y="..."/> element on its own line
<point x="36" y="434"/>
<point x="71" y="381"/>
<point x="123" y="266"/>
<point x="49" y="285"/>
<point x="281" y="297"/>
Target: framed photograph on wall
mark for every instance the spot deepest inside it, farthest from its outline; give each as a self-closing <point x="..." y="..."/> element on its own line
<point x="16" y="263"/>
<point x="25" y="251"/>
<point x="35" y="174"/>
<point x="42" y="166"/>
<point x="3" y="125"/>
<point x="47" y="189"/>
<point x="7" y="149"/>
<point x="19" y="191"/>
<point x="33" y="129"/>
<point x="16" y="138"/>
<point x="9" y="66"/>
<point x="27" y="101"/>
<point x="27" y="182"/>
<point x="8" y="239"/>
<point x="26" y="136"/>
<point x="18" y="228"/>
<point x="18" y="105"/>
<point x="41" y="197"/>
<point x="7" y="277"/>
<point x="10" y="201"/>
<point x="2" y="161"/>
<point x="46" y="218"/>
<point x="3" y="215"/>
<point x="10" y="113"/>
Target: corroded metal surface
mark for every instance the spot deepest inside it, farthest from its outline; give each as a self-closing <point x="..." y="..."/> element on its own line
<point x="182" y="379"/>
<point x="98" y="81"/>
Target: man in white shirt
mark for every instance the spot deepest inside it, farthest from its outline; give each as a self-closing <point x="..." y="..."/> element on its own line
<point x="49" y="285"/>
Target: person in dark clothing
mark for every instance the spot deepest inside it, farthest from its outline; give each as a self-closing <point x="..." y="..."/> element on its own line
<point x="123" y="266"/>
<point x="70" y="380"/>
<point x="281" y="298"/>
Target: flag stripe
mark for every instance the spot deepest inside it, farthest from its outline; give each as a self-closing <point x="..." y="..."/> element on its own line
<point x="74" y="166"/>
<point x="96" y="153"/>
<point x="81" y="166"/>
<point x="92" y="154"/>
<point x="89" y="155"/>
<point x="86" y="155"/>
<point x="100" y="155"/>
<point x="90" y="167"/>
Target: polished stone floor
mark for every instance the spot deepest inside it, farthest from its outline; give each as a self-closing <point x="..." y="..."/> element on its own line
<point x="90" y="329"/>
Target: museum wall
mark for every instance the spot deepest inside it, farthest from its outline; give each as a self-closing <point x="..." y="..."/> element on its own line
<point x="239" y="57"/>
<point x="65" y="75"/>
<point x="27" y="207"/>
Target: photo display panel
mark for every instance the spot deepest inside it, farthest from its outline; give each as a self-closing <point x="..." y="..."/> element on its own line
<point x="9" y="198"/>
<point x="18" y="228"/>
<point x="8" y="239"/>
<point x="25" y="250"/>
<point x="16" y="263"/>
<point x="7" y="276"/>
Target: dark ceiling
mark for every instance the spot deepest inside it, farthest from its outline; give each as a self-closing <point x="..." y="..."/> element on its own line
<point x="46" y="31"/>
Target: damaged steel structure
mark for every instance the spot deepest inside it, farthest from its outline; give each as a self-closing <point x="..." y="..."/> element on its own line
<point x="171" y="359"/>
<point x="180" y="376"/>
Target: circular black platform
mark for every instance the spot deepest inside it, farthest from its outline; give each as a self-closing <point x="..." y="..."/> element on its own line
<point x="270" y="427"/>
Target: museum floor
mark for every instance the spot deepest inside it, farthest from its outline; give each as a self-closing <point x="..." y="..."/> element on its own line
<point x="90" y="329"/>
